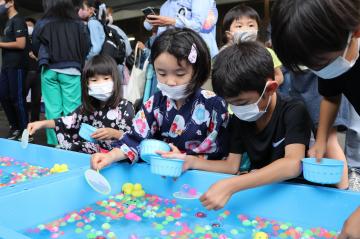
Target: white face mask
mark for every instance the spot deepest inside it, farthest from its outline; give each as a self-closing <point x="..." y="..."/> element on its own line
<point x="250" y="112"/>
<point x="244" y="36"/>
<point x="101" y="91"/>
<point x="30" y="30"/>
<point x="173" y="92"/>
<point x="339" y="66"/>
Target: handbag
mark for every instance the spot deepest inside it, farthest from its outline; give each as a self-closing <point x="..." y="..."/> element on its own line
<point x="134" y="91"/>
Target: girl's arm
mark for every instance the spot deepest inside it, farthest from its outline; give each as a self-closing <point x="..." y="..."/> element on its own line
<point x="44" y="124"/>
<point x="280" y="170"/>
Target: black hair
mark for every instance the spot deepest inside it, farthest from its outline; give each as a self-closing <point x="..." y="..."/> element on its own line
<point x="236" y="13"/>
<point x="100" y="65"/>
<point x="303" y="30"/>
<point x="30" y="19"/>
<point x="96" y="5"/>
<point x="63" y="9"/>
<point x="178" y="42"/>
<point x="242" y="67"/>
<point x="15" y="3"/>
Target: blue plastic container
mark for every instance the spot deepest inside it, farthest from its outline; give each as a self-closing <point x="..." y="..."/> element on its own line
<point x="42" y="156"/>
<point x="86" y="131"/>
<point x="148" y="147"/>
<point x="43" y="200"/>
<point x="328" y="171"/>
<point x="166" y="167"/>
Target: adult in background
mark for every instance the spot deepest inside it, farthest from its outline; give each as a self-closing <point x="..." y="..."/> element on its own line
<point x="61" y="42"/>
<point x="33" y="80"/>
<point x="199" y="15"/>
<point x="13" y="70"/>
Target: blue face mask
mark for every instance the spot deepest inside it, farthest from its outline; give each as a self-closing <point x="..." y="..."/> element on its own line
<point x="339" y="66"/>
<point x="3" y="9"/>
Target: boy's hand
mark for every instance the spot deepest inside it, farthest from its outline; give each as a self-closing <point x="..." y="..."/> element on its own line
<point x="351" y="228"/>
<point x="217" y="195"/>
<point x="176" y="154"/>
<point x="101" y="160"/>
<point x="106" y="134"/>
<point x="317" y="150"/>
<point x="34" y="126"/>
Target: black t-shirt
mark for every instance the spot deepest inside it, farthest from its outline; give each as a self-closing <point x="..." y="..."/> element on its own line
<point x="15" y="58"/>
<point x="347" y="84"/>
<point x="289" y="124"/>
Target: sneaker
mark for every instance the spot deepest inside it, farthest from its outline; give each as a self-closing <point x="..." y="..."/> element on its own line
<point x="13" y="134"/>
<point x="354" y="180"/>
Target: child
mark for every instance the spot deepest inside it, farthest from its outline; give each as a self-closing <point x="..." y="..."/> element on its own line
<point x="13" y="68"/>
<point x="102" y="107"/>
<point x="87" y="13"/>
<point x="181" y="113"/>
<point x="324" y="36"/>
<point x="273" y="130"/>
<point x="241" y="23"/>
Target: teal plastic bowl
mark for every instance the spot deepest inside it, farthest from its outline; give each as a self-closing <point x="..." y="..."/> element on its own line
<point x="166" y="167"/>
<point x="86" y="131"/>
<point x="328" y="171"/>
<point x="148" y="147"/>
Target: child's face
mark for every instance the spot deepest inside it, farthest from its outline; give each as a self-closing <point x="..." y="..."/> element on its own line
<point x="171" y="72"/>
<point x="328" y="58"/>
<point x="85" y="12"/>
<point x="99" y="79"/>
<point x="251" y="97"/>
<point x="241" y="24"/>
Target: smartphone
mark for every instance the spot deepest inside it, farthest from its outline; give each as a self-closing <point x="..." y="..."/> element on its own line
<point x="150" y="11"/>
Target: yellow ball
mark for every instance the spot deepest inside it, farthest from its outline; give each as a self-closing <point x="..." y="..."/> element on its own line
<point x="127" y="186"/>
<point x="261" y="235"/>
<point x="137" y="186"/>
<point x="138" y="193"/>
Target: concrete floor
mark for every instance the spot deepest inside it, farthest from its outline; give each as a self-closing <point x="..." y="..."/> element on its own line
<point x="39" y="138"/>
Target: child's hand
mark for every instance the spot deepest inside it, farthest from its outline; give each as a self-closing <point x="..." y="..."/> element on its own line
<point x="351" y="229"/>
<point x="34" y="126"/>
<point x="100" y="161"/>
<point x="217" y="195"/>
<point x="176" y="154"/>
<point x="317" y="150"/>
<point x="106" y="134"/>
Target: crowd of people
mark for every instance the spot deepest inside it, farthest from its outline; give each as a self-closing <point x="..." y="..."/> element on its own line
<point x="268" y="108"/>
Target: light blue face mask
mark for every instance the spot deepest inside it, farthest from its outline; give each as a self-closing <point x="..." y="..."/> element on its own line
<point x="339" y="66"/>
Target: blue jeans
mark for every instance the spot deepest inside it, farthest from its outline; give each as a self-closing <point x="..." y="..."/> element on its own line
<point x="12" y="86"/>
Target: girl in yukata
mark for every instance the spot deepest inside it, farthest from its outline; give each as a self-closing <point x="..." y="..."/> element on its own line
<point x="191" y="119"/>
<point x="102" y="107"/>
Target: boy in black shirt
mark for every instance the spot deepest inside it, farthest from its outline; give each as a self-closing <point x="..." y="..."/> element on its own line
<point x="274" y="130"/>
<point x="14" y="63"/>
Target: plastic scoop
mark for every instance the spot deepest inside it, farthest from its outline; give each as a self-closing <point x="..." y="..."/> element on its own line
<point x="98" y="182"/>
<point x="25" y="139"/>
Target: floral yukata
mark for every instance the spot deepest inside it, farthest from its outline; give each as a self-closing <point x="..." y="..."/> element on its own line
<point x="67" y="127"/>
<point x="197" y="128"/>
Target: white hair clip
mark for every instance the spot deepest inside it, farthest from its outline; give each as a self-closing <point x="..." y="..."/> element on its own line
<point x="193" y="54"/>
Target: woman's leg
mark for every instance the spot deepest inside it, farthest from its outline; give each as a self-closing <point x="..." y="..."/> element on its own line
<point x="51" y="92"/>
